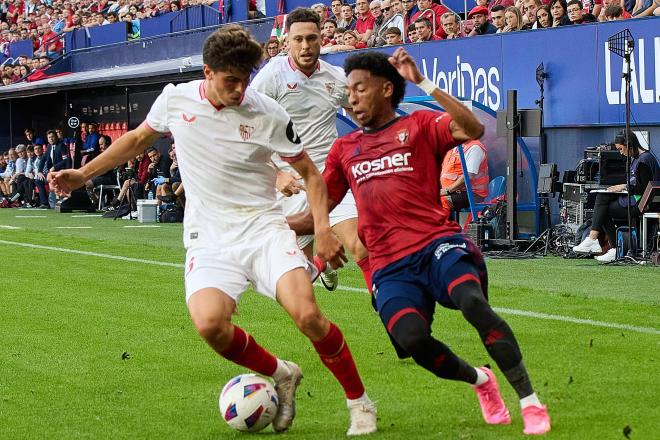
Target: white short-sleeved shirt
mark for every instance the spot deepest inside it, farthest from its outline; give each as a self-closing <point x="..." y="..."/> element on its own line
<point x="224" y="158"/>
<point x="311" y="101"/>
<point x="473" y="159"/>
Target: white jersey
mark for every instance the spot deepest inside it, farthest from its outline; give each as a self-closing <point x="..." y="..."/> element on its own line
<point x="224" y="158"/>
<point x="311" y="101"/>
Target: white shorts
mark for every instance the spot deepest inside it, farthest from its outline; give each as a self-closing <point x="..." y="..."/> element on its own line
<point x="231" y="269"/>
<point x="346" y="210"/>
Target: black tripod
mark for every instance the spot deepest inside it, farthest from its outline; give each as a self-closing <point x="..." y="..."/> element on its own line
<point x="623" y="44"/>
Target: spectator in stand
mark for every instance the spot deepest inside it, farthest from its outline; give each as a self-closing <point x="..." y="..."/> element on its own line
<point x="159" y="169"/>
<point x="451" y="25"/>
<point x="272" y="48"/>
<point x="393" y="36"/>
<point x="30" y="135"/>
<point x="8" y="178"/>
<point x="39" y="179"/>
<point x="559" y="13"/>
<point x="328" y="32"/>
<point x="433" y="13"/>
<point x="513" y="19"/>
<point x="335" y="7"/>
<point x="412" y="33"/>
<point x="91" y="146"/>
<point x="576" y="13"/>
<point x="320" y="9"/>
<point x="351" y="39"/>
<point x="57" y="158"/>
<point x="423" y="31"/>
<point x="543" y="17"/>
<point x="530" y="8"/>
<point x="166" y="191"/>
<point x="611" y="13"/>
<point x="111" y="18"/>
<point x="339" y="36"/>
<point x="4" y="189"/>
<point x="365" y="21"/>
<point x="479" y="15"/>
<point x="392" y="15"/>
<point x="599" y="10"/>
<point x="347" y="21"/>
<point x="377" y="13"/>
<point x="410" y="11"/>
<point x="646" y="8"/>
<point x="74" y="23"/>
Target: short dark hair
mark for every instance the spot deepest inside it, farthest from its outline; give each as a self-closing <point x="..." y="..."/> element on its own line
<point x="613" y="11"/>
<point x="378" y="64"/>
<point x="497" y="8"/>
<point x="150" y="149"/>
<point x="424" y="21"/>
<point x="232" y="46"/>
<point x="411" y="27"/>
<point x="574" y="2"/>
<point x="329" y="20"/>
<point x="393" y="31"/>
<point x="49" y="132"/>
<point x="302" y="15"/>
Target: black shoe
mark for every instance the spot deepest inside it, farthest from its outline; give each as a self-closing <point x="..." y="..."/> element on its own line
<point x="44" y="207"/>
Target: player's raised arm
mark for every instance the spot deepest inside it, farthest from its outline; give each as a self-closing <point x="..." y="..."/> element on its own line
<point x="328" y="246"/>
<point x="465" y="125"/>
<point x="126" y="147"/>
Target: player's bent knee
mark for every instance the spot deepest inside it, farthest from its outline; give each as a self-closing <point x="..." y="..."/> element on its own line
<point x="214" y="329"/>
<point x="412" y="333"/>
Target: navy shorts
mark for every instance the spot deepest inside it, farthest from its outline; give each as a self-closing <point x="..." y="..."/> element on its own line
<point x="414" y="284"/>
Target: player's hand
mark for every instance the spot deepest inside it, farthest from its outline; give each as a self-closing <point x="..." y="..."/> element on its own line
<point x="289" y="184"/>
<point x="405" y="65"/>
<point x="65" y="181"/>
<point x="329" y="249"/>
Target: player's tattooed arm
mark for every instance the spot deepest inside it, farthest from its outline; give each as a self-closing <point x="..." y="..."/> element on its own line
<point x="465" y="125"/>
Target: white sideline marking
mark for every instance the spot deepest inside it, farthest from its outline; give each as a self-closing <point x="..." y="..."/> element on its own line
<point x="30" y="216"/>
<point x="92" y="254"/>
<point x="73" y="227"/>
<point x="9" y="227"/>
<point x="86" y="215"/>
<point x="142" y="226"/>
<point x="562" y="318"/>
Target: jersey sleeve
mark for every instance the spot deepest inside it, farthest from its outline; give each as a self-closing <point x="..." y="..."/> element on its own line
<point x="284" y="139"/>
<point x="157" y="118"/>
<point x="333" y="174"/>
<point x="473" y="159"/>
<point x="265" y="82"/>
<point x="436" y="127"/>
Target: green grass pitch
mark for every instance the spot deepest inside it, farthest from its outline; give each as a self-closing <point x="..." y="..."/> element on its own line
<point x="101" y="348"/>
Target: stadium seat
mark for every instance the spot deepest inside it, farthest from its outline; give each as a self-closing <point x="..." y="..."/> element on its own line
<point x="496" y="188"/>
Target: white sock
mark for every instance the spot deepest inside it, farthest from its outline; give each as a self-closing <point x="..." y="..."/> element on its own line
<point x="328" y="268"/>
<point x="530" y="400"/>
<point x="482" y="377"/>
<point x="281" y="371"/>
<point x="362" y="399"/>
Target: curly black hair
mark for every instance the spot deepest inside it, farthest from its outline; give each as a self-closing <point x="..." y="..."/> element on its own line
<point x="378" y="64"/>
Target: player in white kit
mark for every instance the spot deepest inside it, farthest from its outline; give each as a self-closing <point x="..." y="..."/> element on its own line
<point x="234" y="232"/>
<point x="311" y="90"/>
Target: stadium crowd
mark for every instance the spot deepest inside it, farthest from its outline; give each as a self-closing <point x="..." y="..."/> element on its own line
<point x="345" y="26"/>
<point x="390" y="22"/>
<point x="24" y="171"/>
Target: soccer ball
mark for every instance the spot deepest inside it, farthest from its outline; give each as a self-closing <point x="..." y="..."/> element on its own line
<point x="248" y="403"/>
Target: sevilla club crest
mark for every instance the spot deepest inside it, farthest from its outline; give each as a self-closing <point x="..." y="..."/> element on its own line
<point x="245" y="131"/>
<point x="330" y="87"/>
<point x="402" y="136"/>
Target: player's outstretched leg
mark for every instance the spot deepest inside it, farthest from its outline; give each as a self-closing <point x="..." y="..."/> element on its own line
<point x="295" y="294"/>
<point x="410" y="329"/>
<point x="501" y="345"/>
<point x="211" y="311"/>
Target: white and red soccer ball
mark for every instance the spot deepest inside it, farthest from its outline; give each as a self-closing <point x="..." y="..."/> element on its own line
<point x="248" y="403"/>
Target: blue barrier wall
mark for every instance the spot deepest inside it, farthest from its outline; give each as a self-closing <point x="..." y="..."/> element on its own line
<point x="21" y="48"/>
<point x="584" y="79"/>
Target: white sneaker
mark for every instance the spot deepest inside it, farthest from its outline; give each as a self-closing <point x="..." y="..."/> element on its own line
<point x="363" y="416"/>
<point x="286" y="394"/>
<point x="329" y="278"/>
<point x="588" y="246"/>
<point x="608" y="256"/>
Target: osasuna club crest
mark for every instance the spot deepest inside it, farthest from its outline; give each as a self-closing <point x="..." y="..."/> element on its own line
<point x="402" y="136"/>
<point x="330" y="87"/>
<point x="245" y="131"/>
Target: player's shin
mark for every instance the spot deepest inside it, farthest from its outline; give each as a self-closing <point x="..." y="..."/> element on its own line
<point x="244" y="350"/>
<point x="336" y="356"/>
